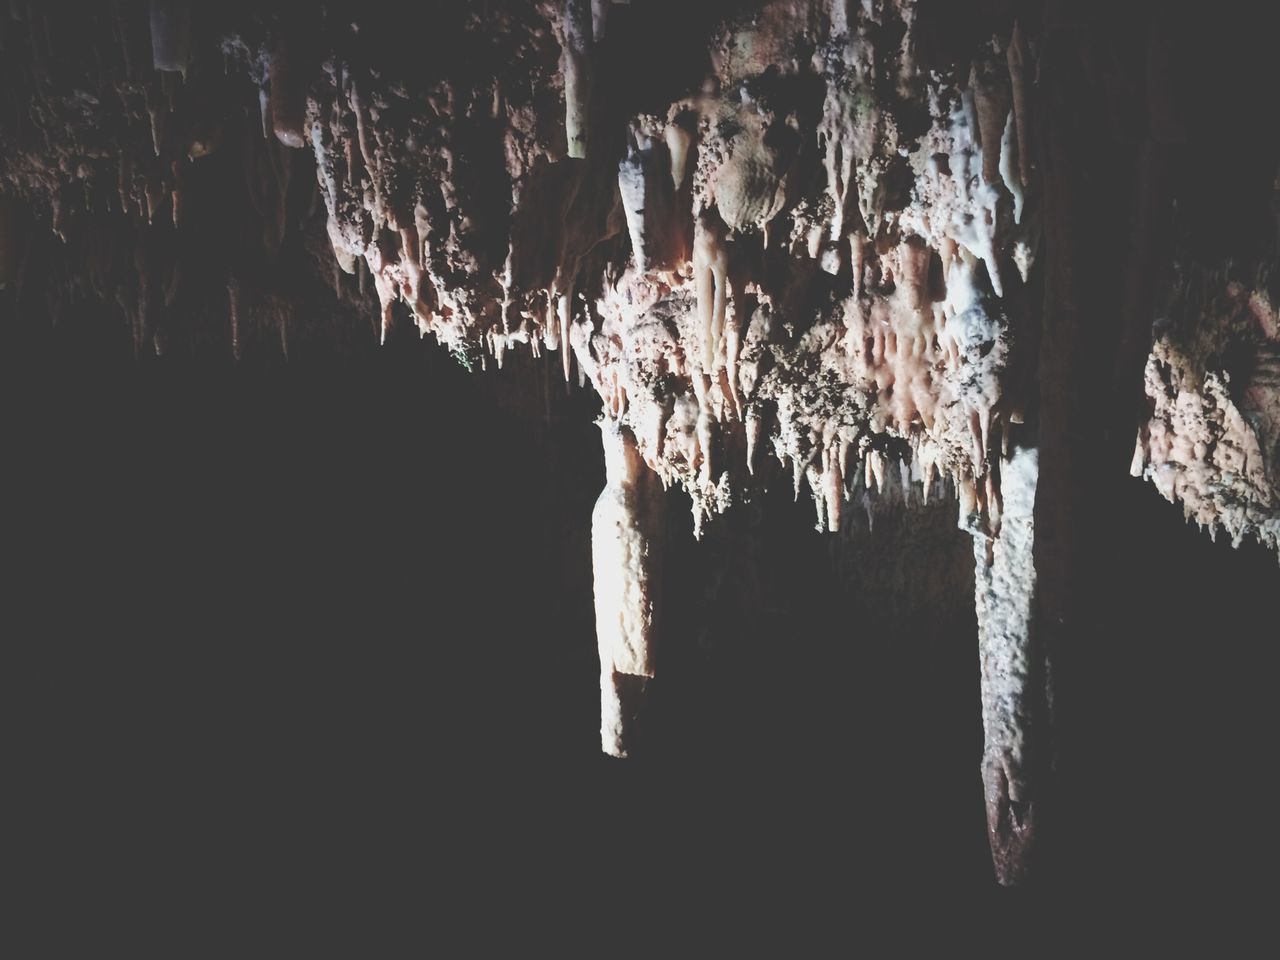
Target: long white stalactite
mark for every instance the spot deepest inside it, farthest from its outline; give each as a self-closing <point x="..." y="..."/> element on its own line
<point x="626" y="556"/>
<point x="1004" y="595"/>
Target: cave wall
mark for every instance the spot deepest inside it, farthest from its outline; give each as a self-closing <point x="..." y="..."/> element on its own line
<point x="881" y="254"/>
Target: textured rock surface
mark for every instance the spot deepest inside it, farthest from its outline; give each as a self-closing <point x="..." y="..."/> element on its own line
<point x="1213" y="379"/>
<point x="626" y="549"/>
<point x="1013" y="671"/>
<point x="792" y="237"/>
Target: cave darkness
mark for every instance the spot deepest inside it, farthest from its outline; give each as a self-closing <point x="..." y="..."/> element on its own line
<point x="258" y="613"/>
<point x="267" y="617"/>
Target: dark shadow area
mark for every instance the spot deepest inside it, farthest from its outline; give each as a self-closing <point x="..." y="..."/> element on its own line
<point x="263" y="622"/>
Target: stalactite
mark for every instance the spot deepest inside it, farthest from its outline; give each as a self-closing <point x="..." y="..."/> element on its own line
<point x="991" y="95"/>
<point x="288" y="94"/>
<point x="626" y="551"/>
<point x="171" y="35"/>
<point x="233" y="316"/>
<point x="680" y="143"/>
<point x="711" y="276"/>
<point x="576" y="66"/>
<point x="1017" y="56"/>
<point x="1011" y="669"/>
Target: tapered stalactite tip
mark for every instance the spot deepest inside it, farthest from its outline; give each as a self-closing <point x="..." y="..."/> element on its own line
<point x="1011" y="829"/>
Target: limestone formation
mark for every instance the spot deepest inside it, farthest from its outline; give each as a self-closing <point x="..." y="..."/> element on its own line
<point x="819" y="243"/>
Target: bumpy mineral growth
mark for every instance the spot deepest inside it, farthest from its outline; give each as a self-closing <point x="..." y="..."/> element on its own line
<point x="1012" y="668"/>
<point x="1212" y="442"/>
<point x="818" y="254"/>
<point x="809" y="236"/>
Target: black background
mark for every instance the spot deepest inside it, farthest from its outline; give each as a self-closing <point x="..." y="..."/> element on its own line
<point x="266" y="620"/>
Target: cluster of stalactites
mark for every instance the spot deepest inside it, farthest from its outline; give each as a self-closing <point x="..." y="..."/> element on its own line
<point x="694" y="345"/>
<point x="688" y="354"/>
<point x="115" y="179"/>
<point x="1212" y="442"/>
<point x="91" y="179"/>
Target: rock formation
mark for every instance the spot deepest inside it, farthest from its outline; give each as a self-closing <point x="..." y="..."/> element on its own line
<point x="794" y="241"/>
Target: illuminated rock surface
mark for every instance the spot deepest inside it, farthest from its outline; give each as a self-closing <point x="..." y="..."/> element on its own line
<point x="801" y="244"/>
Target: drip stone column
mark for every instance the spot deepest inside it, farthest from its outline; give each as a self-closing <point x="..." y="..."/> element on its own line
<point x="1013" y="675"/>
<point x="626" y="554"/>
<point x="576" y="67"/>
